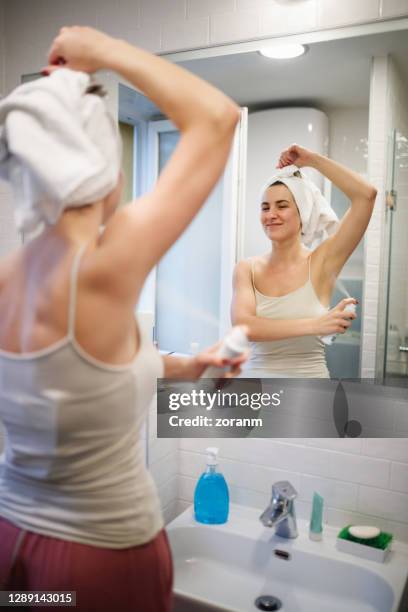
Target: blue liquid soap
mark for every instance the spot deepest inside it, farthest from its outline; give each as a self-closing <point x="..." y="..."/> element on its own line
<point x="211" y="496"/>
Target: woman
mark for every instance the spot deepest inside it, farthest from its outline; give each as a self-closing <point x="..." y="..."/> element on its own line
<point x="78" y="510"/>
<point x="284" y="295"/>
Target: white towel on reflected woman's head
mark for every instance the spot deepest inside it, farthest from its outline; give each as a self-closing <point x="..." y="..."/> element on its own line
<point x="318" y="218"/>
<point x="59" y="147"/>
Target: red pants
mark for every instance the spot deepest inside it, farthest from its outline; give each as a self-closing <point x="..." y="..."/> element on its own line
<point x="136" y="579"/>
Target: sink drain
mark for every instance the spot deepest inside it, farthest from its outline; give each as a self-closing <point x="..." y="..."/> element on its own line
<point x="268" y="602"/>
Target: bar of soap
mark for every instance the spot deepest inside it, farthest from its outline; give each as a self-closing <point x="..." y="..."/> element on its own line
<point x="364" y="532"/>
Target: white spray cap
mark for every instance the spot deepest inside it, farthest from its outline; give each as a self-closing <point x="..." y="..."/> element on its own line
<point x="212" y="454"/>
<point x="237" y="339"/>
<point x="350" y="307"/>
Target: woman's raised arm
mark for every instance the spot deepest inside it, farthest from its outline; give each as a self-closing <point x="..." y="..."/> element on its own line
<point x="336" y="249"/>
<point x="139" y="234"/>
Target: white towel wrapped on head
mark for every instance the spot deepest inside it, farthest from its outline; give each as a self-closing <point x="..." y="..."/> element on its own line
<point x="59" y="147"/>
<point x="318" y="218"/>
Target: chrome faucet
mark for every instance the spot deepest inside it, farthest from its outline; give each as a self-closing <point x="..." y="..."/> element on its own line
<point x="281" y="511"/>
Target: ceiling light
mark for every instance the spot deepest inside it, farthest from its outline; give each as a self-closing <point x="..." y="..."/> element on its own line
<point x="283" y="51"/>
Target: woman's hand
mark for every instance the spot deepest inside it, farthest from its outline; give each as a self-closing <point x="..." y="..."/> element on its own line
<point x="79" y="48"/>
<point x="209" y="357"/>
<point x="299" y="156"/>
<point x="336" y="321"/>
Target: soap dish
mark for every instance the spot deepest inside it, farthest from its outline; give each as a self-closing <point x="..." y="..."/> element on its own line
<point x="375" y="549"/>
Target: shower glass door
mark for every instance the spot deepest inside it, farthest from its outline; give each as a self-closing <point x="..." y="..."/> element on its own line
<point x="395" y="366"/>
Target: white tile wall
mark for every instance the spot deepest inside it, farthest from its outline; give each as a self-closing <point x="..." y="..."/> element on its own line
<point x="362" y="482"/>
<point x="237" y="25"/>
<point x="332" y="12"/>
<point x="171" y="25"/>
<point x="198" y="8"/>
<point x="162" y="11"/>
<point x="282" y="19"/>
<point x="399" y="477"/>
<point x="393" y="8"/>
<point x="186" y="34"/>
<point x="377" y="130"/>
<point x="163" y="464"/>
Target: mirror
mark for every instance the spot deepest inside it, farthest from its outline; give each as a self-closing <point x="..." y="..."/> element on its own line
<point x="325" y="99"/>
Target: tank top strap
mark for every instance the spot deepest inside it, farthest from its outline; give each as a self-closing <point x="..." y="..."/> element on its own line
<point x="252" y="274"/>
<point x="73" y="289"/>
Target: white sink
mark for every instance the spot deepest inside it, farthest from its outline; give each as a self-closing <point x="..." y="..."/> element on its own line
<point x="226" y="567"/>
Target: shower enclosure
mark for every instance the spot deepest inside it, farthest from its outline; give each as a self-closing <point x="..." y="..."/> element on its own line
<point x="392" y="361"/>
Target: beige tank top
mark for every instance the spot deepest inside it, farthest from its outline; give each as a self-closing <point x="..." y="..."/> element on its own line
<point x="74" y="465"/>
<point x="301" y="357"/>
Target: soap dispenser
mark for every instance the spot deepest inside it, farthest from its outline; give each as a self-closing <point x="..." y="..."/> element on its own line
<point x="211" y="496"/>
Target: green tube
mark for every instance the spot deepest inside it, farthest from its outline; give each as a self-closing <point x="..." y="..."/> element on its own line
<point x="316" y="519"/>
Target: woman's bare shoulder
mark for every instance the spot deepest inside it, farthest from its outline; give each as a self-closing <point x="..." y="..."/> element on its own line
<point x="249" y="261"/>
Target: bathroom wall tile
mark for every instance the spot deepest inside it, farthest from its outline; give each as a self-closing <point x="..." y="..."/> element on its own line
<point x="372" y="250"/>
<point x="248" y="497"/>
<point x="371" y="306"/>
<point x="393" y="8"/>
<point x="161" y="447"/>
<point x="368" y="366"/>
<point x="345" y="445"/>
<point x="387" y="504"/>
<point x="399" y="477"/>
<point x="238" y="473"/>
<point x="399" y="530"/>
<point x="164" y="469"/>
<point x="341" y="518"/>
<point x="184" y="35"/>
<point x="198" y="8"/>
<point x="235" y="26"/>
<point x="23" y="61"/>
<point x="307" y="460"/>
<point x="182" y="505"/>
<point x="360" y="469"/>
<point x="171" y="511"/>
<point x="186" y="486"/>
<point x="119" y="18"/>
<point x="333" y="13"/>
<point x="279" y="19"/>
<point x="258" y="451"/>
<point x="168" y="491"/>
<point x="377" y="166"/>
<point x="255" y="5"/>
<point x="395" y="449"/>
<point x="342" y="495"/>
<point x="371" y="287"/>
<point x="148" y="36"/>
<point x="163" y="11"/>
<point x="370" y="325"/>
<point x="370" y="342"/>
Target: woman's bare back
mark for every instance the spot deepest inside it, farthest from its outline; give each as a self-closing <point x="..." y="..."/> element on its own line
<point x="34" y="304"/>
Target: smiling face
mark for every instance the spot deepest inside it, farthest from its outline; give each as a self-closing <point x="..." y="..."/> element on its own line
<point x="279" y="214"/>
